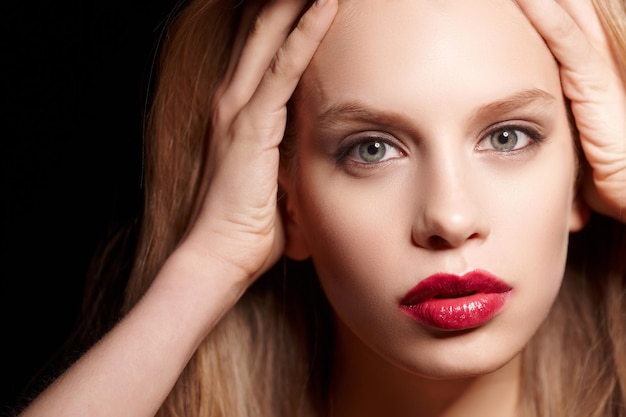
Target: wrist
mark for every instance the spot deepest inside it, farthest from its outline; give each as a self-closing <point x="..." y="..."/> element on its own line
<point x="198" y="290"/>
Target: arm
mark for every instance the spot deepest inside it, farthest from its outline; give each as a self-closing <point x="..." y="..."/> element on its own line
<point x="131" y="370"/>
<point x="236" y="236"/>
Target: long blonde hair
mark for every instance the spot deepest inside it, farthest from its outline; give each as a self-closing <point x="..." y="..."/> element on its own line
<point x="270" y="355"/>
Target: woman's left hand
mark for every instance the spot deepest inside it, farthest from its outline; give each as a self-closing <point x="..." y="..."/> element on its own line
<point x="594" y="80"/>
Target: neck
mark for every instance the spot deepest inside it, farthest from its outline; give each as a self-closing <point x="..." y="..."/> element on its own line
<point x="366" y="385"/>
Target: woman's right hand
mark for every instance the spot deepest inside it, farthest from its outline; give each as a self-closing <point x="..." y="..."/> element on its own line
<point x="236" y="236"/>
<point x="238" y="222"/>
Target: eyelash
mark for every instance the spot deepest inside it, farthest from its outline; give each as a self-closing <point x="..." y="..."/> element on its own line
<point x="344" y="152"/>
<point x="534" y="137"/>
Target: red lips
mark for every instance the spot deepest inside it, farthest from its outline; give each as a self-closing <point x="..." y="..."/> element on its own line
<point x="453" y="302"/>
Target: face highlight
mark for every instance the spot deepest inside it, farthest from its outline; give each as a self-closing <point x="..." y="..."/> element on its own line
<point x="433" y="138"/>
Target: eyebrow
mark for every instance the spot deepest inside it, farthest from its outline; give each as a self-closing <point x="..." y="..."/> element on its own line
<point x="357" y="111"/>
<point x="521" y="99"/>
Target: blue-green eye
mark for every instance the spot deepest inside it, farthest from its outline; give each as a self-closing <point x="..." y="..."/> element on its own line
<point x="507" y="139"/>
<point x="504" y="140"/>
<point x="372" y="150"/>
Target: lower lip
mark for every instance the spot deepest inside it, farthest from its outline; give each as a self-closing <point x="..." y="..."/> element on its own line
<point x="458" y="313"/>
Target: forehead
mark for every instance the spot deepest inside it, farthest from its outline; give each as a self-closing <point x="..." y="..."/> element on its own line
<point x="430" y="48"/>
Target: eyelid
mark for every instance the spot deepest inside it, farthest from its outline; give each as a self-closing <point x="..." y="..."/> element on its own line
<point x="530" y="129"/>
<point x="353" y="140"/>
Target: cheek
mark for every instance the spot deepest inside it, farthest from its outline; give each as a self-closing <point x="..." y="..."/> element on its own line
<point x="532" y="241"/>
<point x="359" y="234"/>
<point x="531" y="210"/>
<point x="354" y="230"/>
<point x="529" y="240"/>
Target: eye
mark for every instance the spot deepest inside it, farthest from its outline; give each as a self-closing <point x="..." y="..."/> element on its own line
<point x="507" y="139"/>
<point x="372" y="150"/>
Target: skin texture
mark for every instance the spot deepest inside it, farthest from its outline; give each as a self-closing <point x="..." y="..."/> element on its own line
<point x="442" y="202"/>
<point x="595" y="82"/>
<point x="442" y="199"/>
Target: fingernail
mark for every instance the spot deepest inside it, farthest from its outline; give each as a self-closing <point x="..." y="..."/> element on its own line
<point x="320" y="3"/>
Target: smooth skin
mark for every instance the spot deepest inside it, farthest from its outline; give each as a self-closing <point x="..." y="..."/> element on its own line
<point x="131" y="370"/>
<point x="432" y="93"/>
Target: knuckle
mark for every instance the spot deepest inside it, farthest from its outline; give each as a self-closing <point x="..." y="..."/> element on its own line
<point x="263" y="129"/>
<point x="282" y="65"/>
<point x="305" y="26"/>
<point x="564" y="28"/>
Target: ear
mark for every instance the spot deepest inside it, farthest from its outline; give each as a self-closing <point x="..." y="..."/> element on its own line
<point x="580" y="214"/>
<point x="296" y="246"/>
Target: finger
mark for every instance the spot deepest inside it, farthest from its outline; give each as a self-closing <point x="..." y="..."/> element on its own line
<point x="264" y="36"/>
<point x="281" y="79"/>
<point x="250" y="10"/>
<point x="590" y="79"/>
<point x="585" y="74"/>
<point x="587" y="19"/>
<point x="564" y="38"/>
<point x="596" y="91"/>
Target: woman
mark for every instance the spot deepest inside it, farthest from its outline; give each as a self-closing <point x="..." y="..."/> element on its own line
<point x="424" y="193"/>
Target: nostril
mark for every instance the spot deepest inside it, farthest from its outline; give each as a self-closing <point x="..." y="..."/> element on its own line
<point x="438" y="242"/>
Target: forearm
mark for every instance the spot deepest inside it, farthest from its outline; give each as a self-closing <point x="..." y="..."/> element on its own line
<point x="133" y="368"/>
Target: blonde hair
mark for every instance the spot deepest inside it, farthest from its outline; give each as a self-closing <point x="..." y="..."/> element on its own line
<point x="270" y="355"/>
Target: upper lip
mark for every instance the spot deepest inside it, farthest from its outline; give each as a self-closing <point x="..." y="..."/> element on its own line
<point x="445" y="285"/>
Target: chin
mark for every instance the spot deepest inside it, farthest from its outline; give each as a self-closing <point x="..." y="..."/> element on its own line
<point x="456" y="359"/>
<point x="456" y="370"/>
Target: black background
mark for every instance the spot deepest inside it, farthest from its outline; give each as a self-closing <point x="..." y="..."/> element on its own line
<point x="76" y="77"/>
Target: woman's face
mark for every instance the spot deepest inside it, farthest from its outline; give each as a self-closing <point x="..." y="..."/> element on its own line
<point x="433" y="147"/>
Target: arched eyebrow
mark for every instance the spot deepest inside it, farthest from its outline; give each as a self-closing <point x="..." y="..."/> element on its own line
<point x="534" y="98"/>
<point x="356" y="111"/>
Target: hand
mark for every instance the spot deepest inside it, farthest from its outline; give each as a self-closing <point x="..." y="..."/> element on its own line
<point x="238" y="222"/>
<point x="594" y="80"/>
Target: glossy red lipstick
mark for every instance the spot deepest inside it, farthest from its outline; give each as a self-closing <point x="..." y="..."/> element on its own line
<point x="452" y="302"/>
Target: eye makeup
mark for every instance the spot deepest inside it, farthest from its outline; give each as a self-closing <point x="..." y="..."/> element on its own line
<point x="508" y="127"/>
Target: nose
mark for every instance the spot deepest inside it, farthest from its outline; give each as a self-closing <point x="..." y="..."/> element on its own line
<point x="449" y="213"/>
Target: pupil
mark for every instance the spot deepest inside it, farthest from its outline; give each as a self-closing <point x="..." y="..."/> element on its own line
<point x="504" y="138"/>
<point x="372" y="151"/>
<point x="373" y="148"/>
